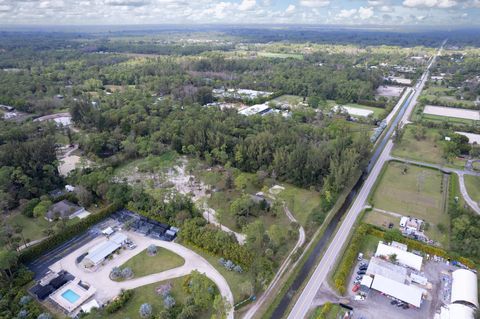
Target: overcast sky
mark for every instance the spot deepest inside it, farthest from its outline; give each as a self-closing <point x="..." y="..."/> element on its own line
<point x="375" y="12"/>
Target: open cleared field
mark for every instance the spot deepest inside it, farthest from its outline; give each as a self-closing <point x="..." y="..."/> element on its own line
<point x="417" y="193"/>
<point x="144" y="264"/>
<point x="147" y="294"/>
<point x="472" y="183"/>
<point x="452" y="112"/>
<point x="389" y="90"/>
<point x="381" y="219"/>
<point x="292" y="100"/>
<point x="427" y="150"/>
<point x="32" y="227"/>
<point x="146" y="169"/>
<point x="301" y="202"/>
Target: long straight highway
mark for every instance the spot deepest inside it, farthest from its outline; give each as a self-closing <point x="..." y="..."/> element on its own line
<point x="304" y="302"/>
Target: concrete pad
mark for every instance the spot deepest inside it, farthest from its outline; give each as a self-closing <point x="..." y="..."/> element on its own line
<point x="452" y="112"/>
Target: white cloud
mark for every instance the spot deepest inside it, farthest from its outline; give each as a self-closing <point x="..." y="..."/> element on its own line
<point x="365" y="13"/>
<point x="247" y="5"/>
<point x="314" y="3"/>
<point x="430" y="3"/>
<point x="346" y="13"/>
<point x="290" y="9"/>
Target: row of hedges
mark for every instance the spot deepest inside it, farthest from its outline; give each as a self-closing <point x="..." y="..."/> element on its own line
<point x="346" y="265"/>
<point x="420" y="246"/>
<point x="69" y="232"/>
<point x="325" y="311"/>
<point x="119" y="302"/>
<point x="373" y="103"/>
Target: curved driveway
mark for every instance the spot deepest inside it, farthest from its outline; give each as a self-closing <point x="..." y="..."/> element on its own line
<point x="108" y="289"/>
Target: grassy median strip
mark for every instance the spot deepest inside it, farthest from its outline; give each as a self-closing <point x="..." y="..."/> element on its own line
<point x="304" y="257"/>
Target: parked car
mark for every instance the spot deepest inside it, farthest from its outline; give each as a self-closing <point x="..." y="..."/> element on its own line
<point x="406" y="307"/>
<point x="355" y="288"/>
<point x="361" y="272"/>
<point x="393" y="302"/>
<point x="358" y="277"/>
<point x="363" y="267"/>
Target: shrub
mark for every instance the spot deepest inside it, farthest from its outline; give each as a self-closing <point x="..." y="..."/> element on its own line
<point x="152" y="250"/>
<point x="168" y="301"/>
<point x="119" y="302"/>
<point x="28" y="208"/>
<point x="116" y="273"/>
<point x="127" y="273"/>
<point x="23" y="314"/>
<point x="44" y="316"/>
<point x="25" y="300"/>
<point x="146" y="310"/>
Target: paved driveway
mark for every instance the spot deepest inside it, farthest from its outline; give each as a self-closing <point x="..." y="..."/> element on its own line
<point x="108" y="289"/>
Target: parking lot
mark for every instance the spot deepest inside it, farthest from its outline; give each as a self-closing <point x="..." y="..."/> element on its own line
<point x="377" y="305"/>
<point x="119" y="219"/>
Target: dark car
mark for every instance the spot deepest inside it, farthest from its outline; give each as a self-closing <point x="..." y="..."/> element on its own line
<point x="363" y="267"/>
<point x="361" y="272"/>
<point x="406" y="306"/>
<point x="393" y="302"/>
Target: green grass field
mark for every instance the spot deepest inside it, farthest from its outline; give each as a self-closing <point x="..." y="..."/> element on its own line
<point x="300" y="201"/>
<point x="452" y="120"/>
<point x="429" y="149"/>
<point x="147" y="294"/>
<point x="381" y="219"/>
<point x="418" y="193"/>
<point x="472" y="183"/>
<point x="143" y="264"/>
<point x="32" y="227"/>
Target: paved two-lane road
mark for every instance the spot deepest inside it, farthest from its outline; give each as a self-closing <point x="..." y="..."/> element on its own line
<point x="304" y="302"/>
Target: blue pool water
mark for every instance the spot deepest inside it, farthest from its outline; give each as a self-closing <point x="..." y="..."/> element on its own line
<point x="70" y="296"/>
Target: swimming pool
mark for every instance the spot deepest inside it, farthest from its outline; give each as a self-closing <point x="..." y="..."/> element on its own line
<point x="70" y="295"/>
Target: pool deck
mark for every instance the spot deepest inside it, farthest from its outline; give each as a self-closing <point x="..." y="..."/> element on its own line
<point x="74" y="286"/>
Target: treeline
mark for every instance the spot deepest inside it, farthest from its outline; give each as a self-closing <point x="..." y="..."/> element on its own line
<point x="152" y="47"/>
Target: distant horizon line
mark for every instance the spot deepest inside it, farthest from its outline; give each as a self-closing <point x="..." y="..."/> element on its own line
<point x="124" y="27"/>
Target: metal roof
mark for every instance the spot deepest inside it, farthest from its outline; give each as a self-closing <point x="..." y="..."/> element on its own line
<point x="464" y="287"/>
<point x="118" y="238"/>
<point x="409" y="294"/>
<point x="403" y="257"/>
<point x="99" y="252"/>
<point x="379" y="266"/>
<point x="455" y="311"/>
